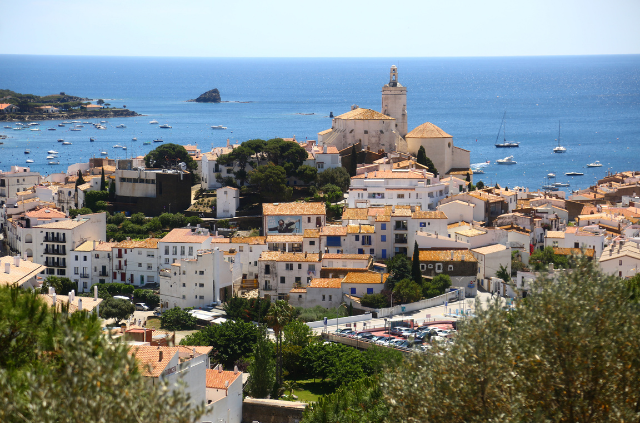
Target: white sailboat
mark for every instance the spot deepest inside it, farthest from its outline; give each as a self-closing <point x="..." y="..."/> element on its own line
<point x="559" y="148"/>
<point x="505" y="143"/>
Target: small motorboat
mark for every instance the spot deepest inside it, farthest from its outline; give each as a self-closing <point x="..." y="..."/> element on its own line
<point x="87" y="123"/>
<point x="477" y="171"/>
<point x="54" y="163"/>
<point x="124" y="148"/>
<point x="121" y="126"/>
<point x="165" y="126"/>
<point x="117" y="146"/>
<point x="103" y="153"/>
<point x="75" y="129"/>
<point x="66" y="123"/>
<point x="75" y="121"/>
<point x="562" y="184"/>
<point x="146" y="143"/>
<point x="218" y="127"/>
<point x="551" y="175"/>
<point x="550" y="188"/>
<point x="52" y="152"/>
<point x="51" y="157"/>
<point x="51" y="129"/>
<point x="27" y="151"/>
<point x="103" y="121"/>
<point x="506" y="161"/>
<point x="153" y="122"/>
<point x="79" y="126"/>
<point x="34" y="124"/>
<point x="60" y="140"/>
<point x="35" y="129"/>
<point x="574" y="173"/>
<point x="66" y="143"/>
<point x="7" y="127"/>
<point x="92" y="139"/>
<point x="595" y="164"/>
<point x="134" y="139"/>
<point x="158" y="140"/>
<point x="29" y="161"/>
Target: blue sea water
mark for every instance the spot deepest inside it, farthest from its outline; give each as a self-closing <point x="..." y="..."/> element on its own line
<point x="597" y="99"/>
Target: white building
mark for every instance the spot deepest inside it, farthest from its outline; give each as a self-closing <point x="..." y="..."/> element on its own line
<point x="292" y="218"/>
<point x="324" y="292"/>
<point x="621" y="258"/>
<point x="360" y="283"/>
<point x="280" y="272"/>
<point x="224" y="394"/>
<point x="210" y="167"/>
<point x="20" y="229"/>
<point x="16" y="180"/>
<point x="181" y="244"/>
<point x="19" y="273"/>
<point x="458" y="211"/>
<point x="490" y="258"/>
<point x="439" y="147"/>
<point x="227" y="202"/>
<point x="99" y="262"/>
<point x="136" y="262"/>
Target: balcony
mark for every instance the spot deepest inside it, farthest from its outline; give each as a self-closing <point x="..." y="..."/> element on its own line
<point x="55" y="251"/>
<point x="103" y="274"/>
<point x="401" y="226"/>
<point x="401" y="239"/>
<point x="55" y="238"/>
<point x="55" y="263"/>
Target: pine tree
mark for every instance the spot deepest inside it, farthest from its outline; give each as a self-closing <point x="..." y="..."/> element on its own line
<point x="416" y="274"/>
<point x="103" y="181"/>
<point x="353" y="163"/>
<point x="80" y="179"/>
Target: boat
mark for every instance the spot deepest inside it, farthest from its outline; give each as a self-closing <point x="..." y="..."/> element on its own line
<point x="477" y="171"/>
<point x="506" y="161"/>
<point x="27" y="151"/>
<point x="550" y="188"/>
<point x="559" y="148"/>
<point x="17" y="129"/>
<point x="61" y="125"/>
<point x="61" y="140"/>
<point x="551" y="175"/>
<point x="54" y="163"/>
<point x="158" y="140"/>
<point x="146" y="143"/>
<point x="87" y="123"/>
<point x="35" y="129"/>
<point x="66" y="123"/>
<point x="79" y="126"/>
<point x="218" y="127"/>
<point x="562" y="184"/>
<point x="51" y="129"/>
<point x="103" y="121"/>
<point x="124" y="148"/>
<point x="165" y="126"/>
<point x="51" y="157"/>
<point x="134" y="139"/>
<point x="52" y="152"/>
<point x="75" y="129"/>
<point x="103" y="153"/>
<point x="153" y="122"/>
<point x="100" y="127"/>
<point x="7" y="127"/>
<point x="117" y="146"/>
<point x="595" y="164"/>
<point x="75" y="121"/>
<point x="505" y="143"/>
<point x="121" y="126"/>
<point x="92" y="139"/>
<point x="34" y="124"/>
<point x="574" y="173"/>
<point x="29" y="161"/>
<point x="66" y="143"/>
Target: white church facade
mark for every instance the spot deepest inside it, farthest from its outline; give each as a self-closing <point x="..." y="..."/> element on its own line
<point x="388" y="131"/>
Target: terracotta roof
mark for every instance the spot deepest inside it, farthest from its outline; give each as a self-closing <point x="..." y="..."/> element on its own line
<point x="354" y="214"/>
<point x="311" y="233"/>
<point x="333" y="230"/>
<point x="346" y="256"/>
<point x="365" y="277"/>
<point x="383" y="218"/>
<point x="471" y="232"/>
<point x="458" y="224"/>
<point x="360" y="229"/>
<point x="326" y="131"/>
<point x="251" y="240"/>
<point x="217" y="379"/>
<point x="269" y="255"/>
<point x="489" y="249"/>
<point x="220" y="240"/>
<point x="555" y="234"/>
<point x="425" y="214"/>
<point x="46" y="213"/>
<point x="378" y="211"/>
<point x="199" y="350"/>
<point x="292" y="209"/>
<point x="325" y="283"/>
<point x="105" y="246"/>
<point x="18" y="275"/>
<point x="149" y="361"/>
<point x="395" y="174"/>
<point x="398" y="212"/>
<point x="364" y="114"/>
<point x="63" y="224"/>
<point x="485" y="196"/>
<point x="144" y="243"/>
<point x="615" y="251"/>
<point x="88" y="303"/>
<point x="427" y="130"/>
<point x="589" y="252"/>
<point x="445" y="255"/>
<point x="184" y="235"/>
<point x="298" y="290"/>
<point x="284" y="238"/>
<point x="85" y="247"/>
<point x="4" y="105"/>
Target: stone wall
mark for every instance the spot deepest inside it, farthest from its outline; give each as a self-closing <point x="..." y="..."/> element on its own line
<point x="271" y="411"/>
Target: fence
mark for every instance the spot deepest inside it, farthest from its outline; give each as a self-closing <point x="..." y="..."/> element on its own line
<point x="419" y="305"/>
<point x="341" y="320"/>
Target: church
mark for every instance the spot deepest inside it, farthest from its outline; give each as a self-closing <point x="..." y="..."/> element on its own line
<point x="387" y="131"/>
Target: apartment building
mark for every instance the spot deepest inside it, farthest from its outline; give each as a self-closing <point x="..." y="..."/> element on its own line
<point x="16" y="180"/>
<point x="292" y="218"/>
<point x="280" y="272"/>
<point x="136" y="262"/>
<point x="182" y="243"/>
<point x="19" y="273"/>
<point x="460" y="265"/>
<point x="20" y="229"/>
<point x="93" y="264"/>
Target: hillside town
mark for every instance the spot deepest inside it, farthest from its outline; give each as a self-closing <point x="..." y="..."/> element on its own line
<point x="313" y="223"/>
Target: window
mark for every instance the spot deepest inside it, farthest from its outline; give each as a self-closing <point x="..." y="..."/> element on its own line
<point x="399" y="195"/>
<point x="299" y="266"/>
<point x="423" y="267"/>
<point x="309" y="219"/>
<point x="334" y="241"/>
<point x="330" y="297"/>
<point x="76" y="257"/>
<point x="282" y="280"/>
<point x="139" y="252"/>
<point x="166" y="261"/>
<point x="357" y="237"/>
<point x="372" y="251"/>
<point x="174" y="251"/>
<point x="383" y="238"/>
<point x="76" y="271"/>
<point x="139" y="264"/>
<point x="619" y="262"/>
<point x="366" y="239"/>
<point x="191" y="250"/>
<point x="84" y="285"/>
<point x="431" y="266"/>
<point x="323" y="298"/>
<point x="369" y="291"/>
<point x="202" y="297"/>
<point x="166" y="250"/>
<point x="288" y="266"/>
<point x="401" y="225"/>
<point x="450" y="268"/>
<point x="353" y="291"/>
<point x="312" y="243"/>
<point x="201" y="272"/>
<point x="439" y="267"/>
<point x="201" y="285"/>
<point x="298" y="280"/>
<point x="184" y="285"/>
<point x="423" y="224"/>
<point x="312" y="268"/>
<point x="366" y="132"/>
<point x="377" y="195"/>
<point x="241" y="249"/>
<point x="555" y="243"/>
<point x="267" y="269"/>
<point x="183" y="297"/>
<point x="84" y="258"/>
<point x="383" y="226"/>
<point x="97" y="256"/>
<point x="182" y="250"/>
<point x="360" y="251"/>
<point x="149" y="266"/>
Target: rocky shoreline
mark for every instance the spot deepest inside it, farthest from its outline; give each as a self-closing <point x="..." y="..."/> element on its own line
<point x="98" y="114"/>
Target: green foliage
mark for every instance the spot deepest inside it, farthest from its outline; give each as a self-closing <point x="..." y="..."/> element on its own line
<point x="569" y="352"/>
<point x="540" y="259"/>
<point x="374" y="301"/>
<point x="422" y="156"/>
<point x="117" y="288"/>
<point x="169" y="155"/>
<point x="406" y="291"/>
<point x="115" y="308"/>
<point x="289" y="155"/>
<point x="436" y="286"/>
<point x="316" y="313"/>
<point x="338" y="176"/>
<point x="307" y="174"/>
<point x="262" y="368"/>
<point x="101" y="206"/>
<point x="347" y="365"/>
<point x="353" y="161"/>
<point x="116" y="218"/>
<point x="230" y="340"/>
<point x="103" y="181"/>
<point x="279" y="315"/>
<point x="270" y="180"/>
<point x="73" y="213"/>
<point x="138" y="218"/>
<point x="297" y="333"/>
<point x="147" y="296"/>
<point x="223" y="223"/>
<point x="79" y="179"/>
<point x="399" y="268"/>
<point x="178" y="319"/>
<point x="112" y="190"/>
<point x="480" y="185"/>
<point x="332" y="193"/>
<point x="633" y="287"/>
<point x="503" y="273"/>
<point x="248" y="310"/>
<point x="92" y="197"/>
<point x="63" y="286"/>
<point x="48" y="357"/>
<point x="416" y="274"/>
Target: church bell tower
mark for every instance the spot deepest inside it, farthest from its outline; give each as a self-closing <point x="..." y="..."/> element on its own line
<point x="394" y="101"/>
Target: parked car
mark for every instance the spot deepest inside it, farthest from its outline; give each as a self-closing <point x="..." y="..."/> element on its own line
<point x="364" y="335"/>
<point x="141" y="307"/>
<point x="339" y="331"/>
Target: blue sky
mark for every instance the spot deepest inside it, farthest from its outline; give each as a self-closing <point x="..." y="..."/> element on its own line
<point x="327" y="28"/>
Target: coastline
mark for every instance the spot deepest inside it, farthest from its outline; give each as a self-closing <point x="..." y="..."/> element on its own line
<point x="106" y="113"/>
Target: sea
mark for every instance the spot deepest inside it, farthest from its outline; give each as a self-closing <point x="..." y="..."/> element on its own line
<point x="595" y="99"/>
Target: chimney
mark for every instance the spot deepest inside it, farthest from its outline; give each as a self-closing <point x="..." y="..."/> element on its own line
<point x="16" y="261"/>
<point x="95" y="293"/>
<point x="24" y="256"/>
<point x="452" y="256"/>
<point x="235" y="368"/>
<point x="94" y="244"/>
<point x="79" y="304"/>
<point x="219" y="368"/>
<point x="381" y="277"/>
<point x="7" y="268"/>
<point x="325" y="149"/>
<point x="51" y="290"/>
<point x="160" y="355"/>
<point x="54" y="297"/>
<point x="72" y="295"/>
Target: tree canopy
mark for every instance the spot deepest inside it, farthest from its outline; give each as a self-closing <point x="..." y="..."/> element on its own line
<point x="335" y="176"/>
<point x="270" y="180"/>
<point x="168" y="155"/>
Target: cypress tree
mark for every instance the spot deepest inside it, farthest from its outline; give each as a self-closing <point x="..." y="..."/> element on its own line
<point x="416" y="274"/>
<point x="112" y="191"/>
<point x="80" y="179"/>
<point x="103" y="181"/>
<point x="422" y="156"/>
<point x="353" y="163"/>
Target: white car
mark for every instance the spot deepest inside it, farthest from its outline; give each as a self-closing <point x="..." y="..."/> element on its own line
<point x="142" y="307"/>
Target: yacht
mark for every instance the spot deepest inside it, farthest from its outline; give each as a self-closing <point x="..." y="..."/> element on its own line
<point x="61" y="140"/>
<point x="34" y="124"/>
<point x="595" y="164"/>
<point x="103" y="153"/>
<point x="505" y="143"/>
<point x="75" y="121"/>
<point x="51" y="157"/>
<point x="117" y="146"/>
<point x="550" y="188"/>
<point x="54" y="163"/>
<point x="51" y="129"/>
<point x="52" y="152"/>
<point x="27" y="151"/>
<point x="75" y="129"/>
<point x="158" y="140"/>
<point x="66" y="123"/>
<point x="17" y="129"/>
<point x="218" y="127"/>
<point x="29" y="161"/>
<point x="153" y="122"/>
<point x="79" y="126"/>
<point x="574" y="173"/>
<point x="35" y="129"/>
<point x="562" y="184"/>
<point x="134" y="139"/>
<point x="477" y="171"/>
<point x="66" y="143"/>
<point x="87" y="123"/>
<point x="165" y="126"/>
<point x="7" y="127"/>
<point x="61" y="125"/>
<point x="506" y="161"/>
<point x="551" y="175"/>
<point x="121" y="126"/>
<point x="559" y="148"/>
<point x="103" y="121"/>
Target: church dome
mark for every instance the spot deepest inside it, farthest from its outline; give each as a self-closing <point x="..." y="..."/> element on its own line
<point x="428" y="130"/>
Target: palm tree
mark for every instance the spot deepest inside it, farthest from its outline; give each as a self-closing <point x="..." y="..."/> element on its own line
<point x="278" y="316"/>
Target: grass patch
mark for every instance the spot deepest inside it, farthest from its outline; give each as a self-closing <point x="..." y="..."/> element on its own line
<point x="153" y="323"/>
<point x="310" y="391"/>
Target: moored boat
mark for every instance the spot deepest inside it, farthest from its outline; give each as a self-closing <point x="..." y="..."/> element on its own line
<point x="506" y="161"/>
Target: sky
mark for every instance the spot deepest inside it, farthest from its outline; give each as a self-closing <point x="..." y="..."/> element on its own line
<point x="327" y="28"/>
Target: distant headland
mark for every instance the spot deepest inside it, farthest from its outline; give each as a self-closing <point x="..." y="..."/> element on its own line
<point x="20" y="107"/>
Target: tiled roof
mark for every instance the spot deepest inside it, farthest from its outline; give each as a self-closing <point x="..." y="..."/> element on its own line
<point x="485" y="196"/>
<point x="346" y="256"/>
<point x="425" y="214"/>
<point x="220" y="240"/>
<point x="365" y="277"/>
<point x="292" y="209"/>
<point x="217" y="379"/>
<point x="144" y="243"/>
<point x="311" y="233"/>
<point x="400" y="212"/>
<point x="149" y="361"/>
<point x="18" y="275"/>
<point x="490" y="249"/>
<point x="284" y="238"/>
<point x="360" y="229"/>
<point x="354" y="214"/>
<point x="364" y="114"/>
<point x="46" y="213"/>
<point x="471" y="232"/>
<point x="325" y="283"/>
<point x="184" y="235"/>
<point x="326" y="131"/>
<point x="427" y="130"/>
<point x="579" y="231"/>
<point x="555" y="234"/>
<point x="105" y="246"/>
<point x="63" y="224"/>
<point x="457" y="224"/>
<point x="88" y="303"/>
<point x="199" y="350"/>
<point x="251" y="240"/>
<point x="269" y="255"/>
<point x="395" y="174"/>
<point x="446" y="255"/>
<point x="298" y="290"/>
<point x="589" y="252"/>
<point x="85" y="247"/>
<point x="383" y="218"/>
<point x="333" y="230"/>
<point x="378" y="211"/>
<point x="615" y="251"/>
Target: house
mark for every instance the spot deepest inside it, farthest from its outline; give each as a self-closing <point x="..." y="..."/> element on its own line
<point x="16" y="180"/>
<point x="280" y="272"/>
<point x="227" y="202"/>
<point x="48" y="109"/>
<point x="587" y="237"/>
<point x="91" y="107"/>
<point x="324" y="292"/>
<point x="285" y="243"/>
<point x="251" y="247"/>
<point x="621" y="258"/>
<point x="136" y="262"/>
<point x="490" y="258"/>
<point x="338" y="265"/>
<point x="292" y="218"/>
<point x="183" y="243"/>
<point x="210" y="167"/>
<point x="8" y="108"/>
<point x="360" y="283"/>
<point x="71" y="302"/>
<point x="224" y="394"/>
<point x="93" y="264"/>
<point x="460" y="265"/>
<point x="20" y="229"/>
<point x="487" y="206"/>
<point x="19" y="273"/>
<point x="333" y="238"/>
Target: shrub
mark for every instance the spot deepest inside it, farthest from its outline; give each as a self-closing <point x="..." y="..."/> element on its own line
<point x="178" y="319"/>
